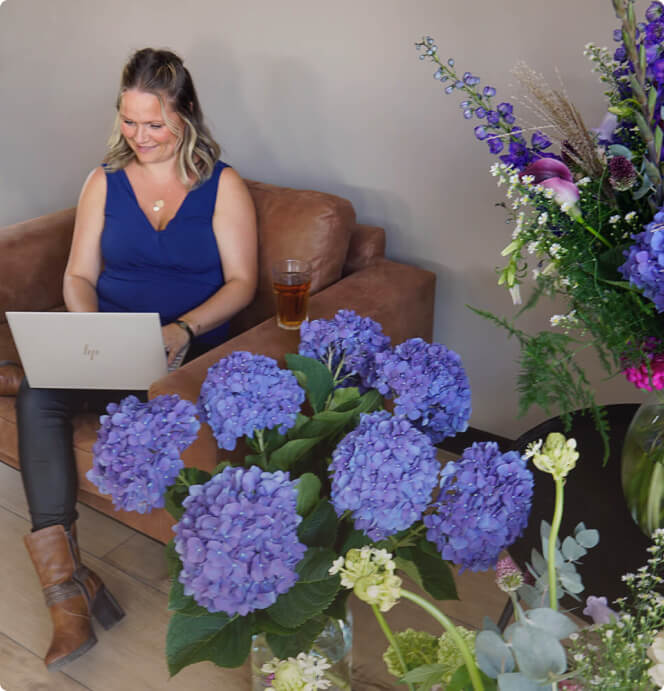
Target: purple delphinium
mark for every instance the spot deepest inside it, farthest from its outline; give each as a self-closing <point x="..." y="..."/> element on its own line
<point x="237" y="540"/>
<point x="498" y="131"/>
<point x="482" y="507"/>
<point x="243" y="393"/>
<point x="347" y="345"/>
<point x="137" y="453"/>
<point x="384" y="472"/>
<point x="429" y="386"/>
<point x="645" y="261"/>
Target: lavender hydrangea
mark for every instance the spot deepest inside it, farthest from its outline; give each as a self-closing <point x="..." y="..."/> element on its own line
<point x="347" y="344"/>
<point x="429" y="386"/>
<point x="384" y="472"/>
<point x="137" y="452"/>
<point x="645" y="261"/>
<point x="237" y="540"/>
<point x="482" y="507"/>
<point x="243" y="393"/>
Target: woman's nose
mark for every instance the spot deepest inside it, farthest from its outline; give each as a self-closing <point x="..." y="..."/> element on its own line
<point x="142" y="134"/>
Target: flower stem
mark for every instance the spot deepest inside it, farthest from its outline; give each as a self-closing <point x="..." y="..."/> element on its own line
<point x="591" y="230"/>
<point x="391" y="639"/>
<point x="473" y="672"/>
<point x="553" y="536"/>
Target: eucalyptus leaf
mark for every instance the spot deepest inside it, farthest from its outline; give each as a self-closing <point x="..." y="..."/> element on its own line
<point x="538" y="562"/>
<point x="538" y="653"/>
<point x="620" y="150"/>
<point x="571" y="582"/>
<point x="530" y="595"/>
<point x="489" y="624"/>
<point x="572" y="550"/>
<point x="493" y="654"/>
<point x="517" y="682"/>
<point x="554" y="623"/>
<point x="589" y="538"/>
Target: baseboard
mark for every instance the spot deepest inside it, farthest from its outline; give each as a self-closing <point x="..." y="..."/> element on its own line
<point x="464" y="439"/>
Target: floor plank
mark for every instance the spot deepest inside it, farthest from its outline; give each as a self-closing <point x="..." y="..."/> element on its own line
<point x="143" y="559"/>
<point x="22" y="670"/>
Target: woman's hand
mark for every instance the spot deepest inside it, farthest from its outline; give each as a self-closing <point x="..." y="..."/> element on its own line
<point x="175" y="339"/>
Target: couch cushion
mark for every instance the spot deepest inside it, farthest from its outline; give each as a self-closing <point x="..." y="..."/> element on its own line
<point x="298" y="224"/>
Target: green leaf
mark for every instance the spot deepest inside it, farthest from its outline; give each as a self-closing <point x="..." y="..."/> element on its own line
<point x="311" y="595"/>
<point x="299" y="641"/>
<point x="355" y="540"/>
<point x="303" y="601"/>
<point x="308" y="491"/>
<point x="620" y="150"/>
<point x="435" y="572"/>
<point x="344" y="398"/>
<point x="461" y="681"/>
<point x="220" y="467"/>
<point x="290" y="452"/>
<point x="319" y="528"/>
<point x="184" y="604"/>
<point x="318" y="383"/>
<point x="426" y="675"/>
<point x="215" y="637"/>
<point x="538" y="653"/>
<point x="337" y="610"/>
<point x="515" y="681"/>
<point x="409" y="568"/>
<point x="263" y="623"/>
<point x="572" y="550"/>
<point x="315" y="564"/>
<point x="588" y="537"/>
<point x="493" y="654"/>
<point x="554" y="623"/>
<point x="177" y="493"/>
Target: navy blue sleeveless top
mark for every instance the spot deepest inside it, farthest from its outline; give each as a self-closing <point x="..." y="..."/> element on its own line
<point x="169" y="271"/>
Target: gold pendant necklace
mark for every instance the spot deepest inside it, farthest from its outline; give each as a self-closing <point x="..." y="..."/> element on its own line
<point x="158" y="205"/>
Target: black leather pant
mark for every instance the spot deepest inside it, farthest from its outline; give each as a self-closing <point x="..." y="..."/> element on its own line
<point x="46" y="447"/>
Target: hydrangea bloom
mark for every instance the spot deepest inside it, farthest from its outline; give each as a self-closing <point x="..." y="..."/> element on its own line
<point x="482" y="507"/>
<point x="645" y="261"/>
<point x="347" y="344"/>
<point x="243" y="393"/>
<point x="137" y="452"/>
<point x="238" y="540"/>
<point x="384" y="472"/>
<point x="429" y="384"/>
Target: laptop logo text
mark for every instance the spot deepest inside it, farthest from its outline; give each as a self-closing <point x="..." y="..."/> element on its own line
<point x="90" y="352"/>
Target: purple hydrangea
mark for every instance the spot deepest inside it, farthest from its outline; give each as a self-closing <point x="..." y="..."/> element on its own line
<point x="645" y="261"/>
<point x="482" y="507"/>
<point x="384" y="472"/>
<point x="243" y="393"/>
<point x="237" y="540"/>
<point x="429" y="386"/>
<point x="347" y="344"/>
<point x="137" y="452"/>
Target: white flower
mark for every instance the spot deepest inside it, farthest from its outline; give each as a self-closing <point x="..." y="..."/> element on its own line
<point x="555" y="250"/>
<point x="515" y="294"/>
<point x="583" y="182"/>
<point x="542" y="218"/>
<point x="557" y="319"/>
<point x="557" y="456"/>
<point x="528" y="179"/>
<point x="301" y="673"/>
<point x="630" y="216"/>
<point x="614" y="219"/>
<point x="531" y="247"/>
<point x="549" y="193"/>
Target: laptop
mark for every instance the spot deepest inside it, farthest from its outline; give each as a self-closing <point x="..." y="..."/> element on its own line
<point x="89" y="350"/>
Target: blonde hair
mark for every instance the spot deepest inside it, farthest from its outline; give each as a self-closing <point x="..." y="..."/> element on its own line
<point x="162" y="73"/>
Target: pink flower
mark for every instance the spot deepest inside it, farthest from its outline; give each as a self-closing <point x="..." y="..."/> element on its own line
<point x="598" y="610"/>
<point x="640" y="377"/>
<point x="508" y="575"/>
<point x="555" y="175"/>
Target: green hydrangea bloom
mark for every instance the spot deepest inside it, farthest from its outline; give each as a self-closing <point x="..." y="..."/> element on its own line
<point x="448" y="654"/>
<point x="418" y="648"/>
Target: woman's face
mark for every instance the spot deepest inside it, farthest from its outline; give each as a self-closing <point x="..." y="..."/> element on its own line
<point x="145" y="129"/>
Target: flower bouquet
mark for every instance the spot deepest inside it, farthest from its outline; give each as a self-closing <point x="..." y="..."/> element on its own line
<point x="544" y="648"/>
<point x="254" y="543"/>
<point x="587" y="213"/>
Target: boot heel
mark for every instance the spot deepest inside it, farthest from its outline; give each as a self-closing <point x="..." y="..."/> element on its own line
<point x="106" y="609"/>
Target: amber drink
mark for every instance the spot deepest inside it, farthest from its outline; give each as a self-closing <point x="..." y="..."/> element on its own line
<point x="291" y="280"/>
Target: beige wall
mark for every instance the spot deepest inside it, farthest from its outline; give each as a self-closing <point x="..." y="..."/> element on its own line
<point x="311" y="94"/>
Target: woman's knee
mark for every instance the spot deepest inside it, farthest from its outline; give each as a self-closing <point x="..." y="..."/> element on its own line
<point x="31" y="403"/>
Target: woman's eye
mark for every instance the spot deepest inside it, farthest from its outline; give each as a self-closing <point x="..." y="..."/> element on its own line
<point x="156" y="126"/>
<point x="128" y="122"/>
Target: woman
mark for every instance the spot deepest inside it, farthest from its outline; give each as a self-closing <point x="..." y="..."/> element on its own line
<point x="162" y="226"/>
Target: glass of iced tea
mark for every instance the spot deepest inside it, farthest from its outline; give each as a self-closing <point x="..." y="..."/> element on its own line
<point x="291" y="280"/>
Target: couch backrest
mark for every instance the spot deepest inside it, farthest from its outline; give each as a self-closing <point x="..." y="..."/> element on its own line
<point x="296" y="224"/>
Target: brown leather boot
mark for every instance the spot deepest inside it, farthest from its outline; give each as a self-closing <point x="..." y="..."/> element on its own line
<point x="72" y="593"/>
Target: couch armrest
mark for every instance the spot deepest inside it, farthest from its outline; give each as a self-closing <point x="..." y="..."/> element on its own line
<point x="367" y="245"/>
<point x="33" y="255"/>
<point x="398" y="296"/>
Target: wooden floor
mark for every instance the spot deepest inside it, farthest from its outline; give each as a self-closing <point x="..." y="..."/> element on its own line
<point x="130" y="657"/>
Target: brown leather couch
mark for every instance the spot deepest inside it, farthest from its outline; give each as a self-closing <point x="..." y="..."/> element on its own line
<point x="349" y="271"/>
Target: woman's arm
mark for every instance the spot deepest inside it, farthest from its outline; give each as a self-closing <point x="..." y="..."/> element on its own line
<point x="84" y="264"/>
<point x="234" y="225"/>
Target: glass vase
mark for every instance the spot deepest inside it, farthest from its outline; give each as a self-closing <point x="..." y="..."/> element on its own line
<point x="642" y="469"/>
<point x="335" y="643"/>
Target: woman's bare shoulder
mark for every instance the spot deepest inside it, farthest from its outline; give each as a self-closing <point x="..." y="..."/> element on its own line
<point x="94" y="187"/>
